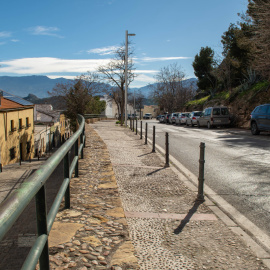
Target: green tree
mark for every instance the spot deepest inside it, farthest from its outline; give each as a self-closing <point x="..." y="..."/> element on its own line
<point x="78" y="96"/>
<point x="204" y="66"/>
<point x="259" y="14"/>
<point x="237" y="49"/>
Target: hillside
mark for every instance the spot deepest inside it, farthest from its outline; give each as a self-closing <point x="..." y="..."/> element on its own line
<point x="22" y="86"/>
<point x="240" y="102"/>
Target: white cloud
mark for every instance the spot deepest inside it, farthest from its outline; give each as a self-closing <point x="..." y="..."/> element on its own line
<point x="15" y="40"/>
<point x="44" y="31"/>
<point x="104" y="50"/>
<point x="141" y="71"/>
<point x="60" y="76"/>
<point x="155" y="59"/>
<point x="5" y="34"/>
<point x="45" y="65"/>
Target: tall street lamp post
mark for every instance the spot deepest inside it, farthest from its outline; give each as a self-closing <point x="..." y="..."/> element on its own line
<point x="126" y="76"/>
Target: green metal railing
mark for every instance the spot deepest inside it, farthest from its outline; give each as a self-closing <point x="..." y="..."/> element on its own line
<point x="88" y="116"/>
<point x="13" y="206"/>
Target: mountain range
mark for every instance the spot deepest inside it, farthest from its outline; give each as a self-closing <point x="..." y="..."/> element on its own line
<point x="40" y="85"/>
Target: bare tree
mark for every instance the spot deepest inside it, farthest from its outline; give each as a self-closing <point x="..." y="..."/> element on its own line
<point x="114" y="74"/>
<point x="78" y="96"/>
<point x="139" y="100"/>
<point x="169" y="91"/>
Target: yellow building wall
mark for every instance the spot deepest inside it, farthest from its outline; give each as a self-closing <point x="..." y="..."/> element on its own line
<point x="18" y="138"/>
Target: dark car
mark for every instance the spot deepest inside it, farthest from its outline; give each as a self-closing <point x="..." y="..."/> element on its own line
<point x="260" y="119"/>
<point x="166" y="119"/>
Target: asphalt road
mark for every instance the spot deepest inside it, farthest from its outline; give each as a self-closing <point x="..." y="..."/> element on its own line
<point x="237" y="164"/>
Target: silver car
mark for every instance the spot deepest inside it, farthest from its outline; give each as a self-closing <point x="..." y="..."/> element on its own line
<point x="214" y="116"/>
<point x="182" y="117"/>
<point x="173" y="117"/>
<point x="192" y="118"/>
<point x="161" y="118"/>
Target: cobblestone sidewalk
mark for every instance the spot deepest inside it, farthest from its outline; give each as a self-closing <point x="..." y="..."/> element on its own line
<point x="168" y="228"/>
<point x="93" y="234"/>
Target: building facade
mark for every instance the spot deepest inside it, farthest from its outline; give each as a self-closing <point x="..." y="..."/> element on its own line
<point x="16" y="129"/>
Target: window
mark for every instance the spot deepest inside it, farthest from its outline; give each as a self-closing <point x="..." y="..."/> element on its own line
<point x="268" y="112"/>
<point x="207" y="112"/>
<point x="216" y="111"/>
<point x="262" y="109"/>
<point x="224" y="111"/>
<point x="28" y="147"/>
<point x="12" y="153"/>
<point x="20" y="123"/>
<point x="27" y="124"/>
<point x="12" y="126"/>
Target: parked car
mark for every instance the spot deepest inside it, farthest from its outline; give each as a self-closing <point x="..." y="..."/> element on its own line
<point x="132" y="116"/>
<point x="173" y="117"/>
<point x="214" y="116"/>
<point x="158" y="117"/>
<point x="260" y="119"/>
<point x="161" y="118"/>
<point x="166" y="119"/>
<point x="192" y="118"/>
<point x="147" y="116"/>
<point x="182" y="117"/>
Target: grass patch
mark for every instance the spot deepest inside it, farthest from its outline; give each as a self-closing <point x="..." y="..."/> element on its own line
<point x="255" y="88"/>
<point x="200" y="101"/>
<point x="222" y="95"/>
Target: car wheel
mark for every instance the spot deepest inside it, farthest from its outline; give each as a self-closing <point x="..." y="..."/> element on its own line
<point x="198" y="124"/>
<point x="192" y="124"/>
<point x="187" y="124"/>
<point x="254" y="129"/>
<point x="209" y="125"/>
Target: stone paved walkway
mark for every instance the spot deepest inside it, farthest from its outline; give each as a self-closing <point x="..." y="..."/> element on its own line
<point x="154" y="198"/>
<point x="93" y="234"/>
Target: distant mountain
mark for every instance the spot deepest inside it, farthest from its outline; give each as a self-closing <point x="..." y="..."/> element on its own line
<point x="22" y="86"/>
<point x="39" y="86"/>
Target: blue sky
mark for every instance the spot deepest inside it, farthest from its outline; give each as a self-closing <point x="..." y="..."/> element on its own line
<point x="65" y="38"/>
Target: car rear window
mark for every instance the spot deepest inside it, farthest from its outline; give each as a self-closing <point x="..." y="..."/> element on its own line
<point x="263" y="109"/>
<point x="216" y="111"/>
<point x="224" y="111"/>
<point x="197" y="113"/>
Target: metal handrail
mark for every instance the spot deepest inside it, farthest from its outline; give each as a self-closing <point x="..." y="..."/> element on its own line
<point x="13" y="206"/>
<point x="88" y="116"/>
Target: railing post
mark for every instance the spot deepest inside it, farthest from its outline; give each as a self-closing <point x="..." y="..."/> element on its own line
<point x="66" y="175"/>
<point x="133" y="126"/>
<point x="167" y="164"/>
<point x="1" y="168"/>
<point x="154" y="139"/>
<point x="146" y="125"/>
<point x="41" y="214"/>
<point x="136" y="126"/>
<point x="84" y="136"/>
<point x="200" y="196"/>
<point x="77" y="155"/>
<point x="141" y="131"/>
<point x="81" y="142"/>
<point x="130" y="124"/>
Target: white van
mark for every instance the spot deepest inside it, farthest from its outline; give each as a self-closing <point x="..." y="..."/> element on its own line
<point x="214" y="116"/>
